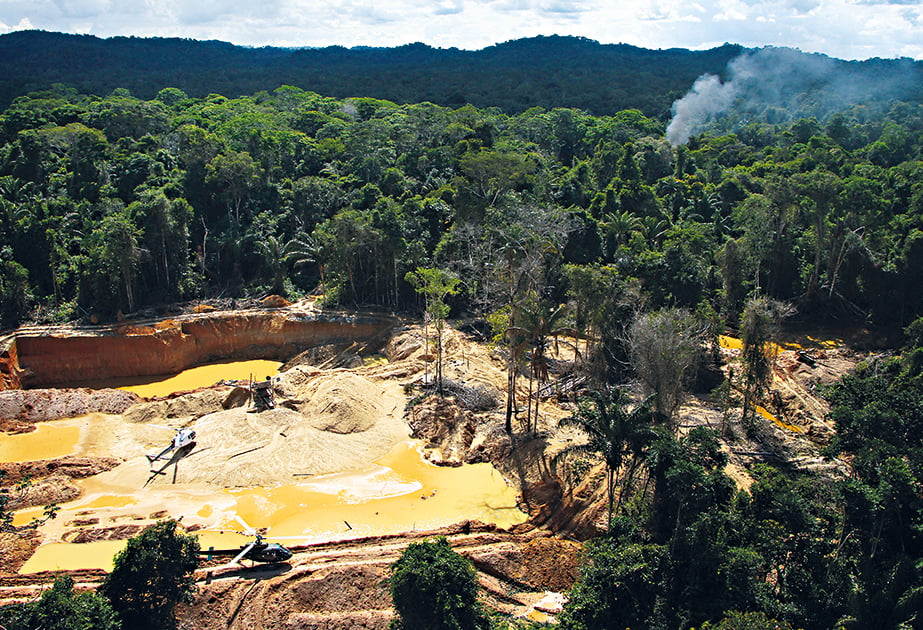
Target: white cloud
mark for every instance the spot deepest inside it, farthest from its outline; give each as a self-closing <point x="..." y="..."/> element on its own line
<point x="23" y="25"/>
<point x="730" y="10"/>
<point x="841" y="28"/>
<point x="899" y="2"/>
<point x="449" y="7"/>
<point x="565" y="6"/>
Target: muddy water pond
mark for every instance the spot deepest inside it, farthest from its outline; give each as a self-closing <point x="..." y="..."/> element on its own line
<point x="399" y="491"/>
<point x="194" y="378"/>
<point x="48" y="441"/>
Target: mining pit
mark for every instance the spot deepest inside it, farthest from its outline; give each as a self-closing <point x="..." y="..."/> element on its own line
<point x="356" y="459"/>
<point x="334" y="462"/>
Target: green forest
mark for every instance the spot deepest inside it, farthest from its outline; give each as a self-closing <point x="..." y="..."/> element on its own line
<point x="549" y="71"/>
<point x="120" y="204"/>
<point x="538" y="221"/>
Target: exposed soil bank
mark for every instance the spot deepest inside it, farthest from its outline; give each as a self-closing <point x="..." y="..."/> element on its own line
<point x="67" y="356"/>
<point x="20" y="409"/>
<point x="342" y="584"/>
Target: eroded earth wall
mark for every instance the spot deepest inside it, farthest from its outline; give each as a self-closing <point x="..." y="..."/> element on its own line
<point x="62" y="357"/>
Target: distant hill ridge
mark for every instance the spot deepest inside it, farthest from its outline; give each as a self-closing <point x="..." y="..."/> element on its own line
<point x="546" y="71"/>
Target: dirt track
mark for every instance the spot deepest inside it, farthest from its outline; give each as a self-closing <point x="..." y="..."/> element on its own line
<point x="339" y="584"/>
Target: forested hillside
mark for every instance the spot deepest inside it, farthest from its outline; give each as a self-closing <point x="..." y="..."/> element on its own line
<point x="546" y="72"/>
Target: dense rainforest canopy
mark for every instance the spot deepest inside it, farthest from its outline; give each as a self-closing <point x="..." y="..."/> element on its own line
<point x="544" y="71"/>
<point x="117" y="203"/>
<point x="516" y="75"/>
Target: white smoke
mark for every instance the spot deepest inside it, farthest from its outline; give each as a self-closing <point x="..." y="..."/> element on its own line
<point x="793" y="82"/>
<point x="707" y="98"/>
<point x="349" y="108"/>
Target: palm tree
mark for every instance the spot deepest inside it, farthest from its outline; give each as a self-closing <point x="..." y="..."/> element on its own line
<point x="303" y="250"/>
<point x="614" y="432"/>
<point x="539" y="326"/>
<point x="621" y="225"/>
<point x="272" y="251"/>
<point x="654" y="228"/>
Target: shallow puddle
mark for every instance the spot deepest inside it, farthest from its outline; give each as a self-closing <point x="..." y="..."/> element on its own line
<point x="66" y="556"/>
<point x="766" y="414"/>
<point x="109" y="501"/>
<point x="49" y="440"/>
<point x="826" y="343"/>
<point x="733" y="343"/>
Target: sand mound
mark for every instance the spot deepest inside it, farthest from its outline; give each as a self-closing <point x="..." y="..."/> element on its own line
<point x="184" y="407"/>
<point x="404" y="345"/>
<point x="342" y="403"/>
<point x="340" y="422"/>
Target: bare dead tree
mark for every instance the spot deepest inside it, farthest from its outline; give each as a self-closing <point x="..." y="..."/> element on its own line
<point x="666" y="347"/>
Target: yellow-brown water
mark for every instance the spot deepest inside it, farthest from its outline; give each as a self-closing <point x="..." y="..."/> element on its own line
<point x="203" y="376"/>
<point x="733" y="343"/>
<point x="402" y="492"/>
<point x="399" y="492"/>
<point x="766" y="414"/>
<point x="799" y="343"/>
<point x="65" y="556"/>
<point x="49" y="440"/>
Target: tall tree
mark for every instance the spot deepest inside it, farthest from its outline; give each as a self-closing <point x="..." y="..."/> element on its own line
<point x="303" y="250"/>
<point x="435" y="285"/>
<point x="759" y="326"/>
<point x="14" y="293"/>
<point x="666" y="349"/>
<point x="615" y="432"/>
<point x="435" y="588"/>
<point x="538" y="324"/>
<point x="273" y="254"/>
<point x="233" y="175"/>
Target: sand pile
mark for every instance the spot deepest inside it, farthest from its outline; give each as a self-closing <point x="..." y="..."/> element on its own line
<point x="335" y="421"/>
<point x="183" y="408"/>
<point x="342" y="403"/>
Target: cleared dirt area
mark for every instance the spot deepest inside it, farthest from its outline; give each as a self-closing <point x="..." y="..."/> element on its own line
<point x="340" y="406"/>
<point x="340" y="584"/>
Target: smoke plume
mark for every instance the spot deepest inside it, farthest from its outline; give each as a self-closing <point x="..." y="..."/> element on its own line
<point x="707" y="98"/>
<point x="781" y="84"/>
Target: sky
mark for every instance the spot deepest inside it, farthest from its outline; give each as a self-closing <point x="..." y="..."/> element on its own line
<point x="845" y="29"/>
